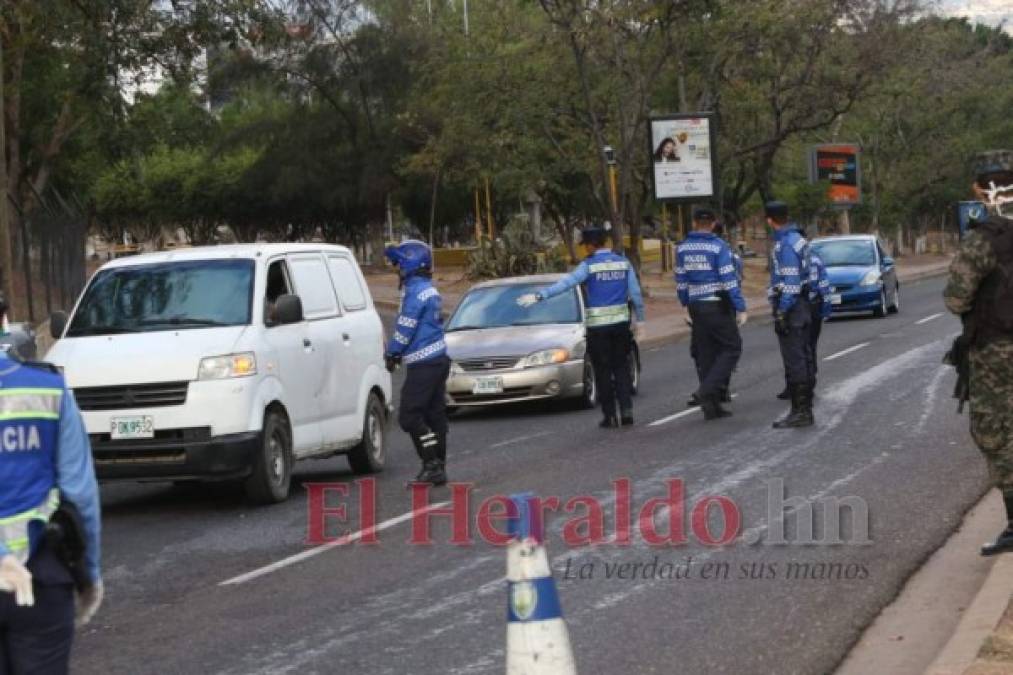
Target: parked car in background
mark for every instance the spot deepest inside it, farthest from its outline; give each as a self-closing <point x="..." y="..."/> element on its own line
<point x="227" y="362"/>
<point x="502" y="353"/>
<point x="862" y="277"/>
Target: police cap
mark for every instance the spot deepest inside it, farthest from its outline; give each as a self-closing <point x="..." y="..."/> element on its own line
<point x="777" y="210"/>
<point x="593" y="235"/>
<point x="704" y="213"/>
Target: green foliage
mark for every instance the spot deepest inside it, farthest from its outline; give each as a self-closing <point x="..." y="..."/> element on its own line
<point x="516" y="252"/>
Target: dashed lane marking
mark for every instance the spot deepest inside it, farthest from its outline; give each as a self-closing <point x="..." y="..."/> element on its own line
<point x="847" y="351"/>
<point x="928" y="318"/>
<point x="343" y="541"/>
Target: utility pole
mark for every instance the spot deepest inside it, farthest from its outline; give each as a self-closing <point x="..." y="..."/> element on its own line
<point x="6" y="254"/>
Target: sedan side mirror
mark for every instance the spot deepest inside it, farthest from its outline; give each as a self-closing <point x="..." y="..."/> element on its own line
<point x="887" y="261"/>
<point x="287" y="309"/>
<point x="57" y="324"/>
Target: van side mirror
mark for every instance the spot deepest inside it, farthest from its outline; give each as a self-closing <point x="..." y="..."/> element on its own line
<point x="57" y="324"/>
<point x="287" y="309"/>
<point x="887" y="261"/>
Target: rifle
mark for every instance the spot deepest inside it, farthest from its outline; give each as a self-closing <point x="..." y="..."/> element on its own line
<point x="959" y="357"/>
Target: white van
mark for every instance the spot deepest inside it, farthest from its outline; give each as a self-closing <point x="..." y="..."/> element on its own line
<point x="227" y="362"/>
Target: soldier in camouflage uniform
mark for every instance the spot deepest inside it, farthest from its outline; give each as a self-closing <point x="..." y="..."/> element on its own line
<point x="980" y="290"/>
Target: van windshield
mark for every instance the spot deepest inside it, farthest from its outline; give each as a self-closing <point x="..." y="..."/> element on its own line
<point x="166" y="296"/>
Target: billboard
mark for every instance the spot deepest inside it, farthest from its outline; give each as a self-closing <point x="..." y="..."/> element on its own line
<point x="838" y="164"/>
<point x="683" y="153"/>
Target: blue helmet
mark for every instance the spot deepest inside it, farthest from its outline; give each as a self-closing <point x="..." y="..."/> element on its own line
<point x="410" y="256"/>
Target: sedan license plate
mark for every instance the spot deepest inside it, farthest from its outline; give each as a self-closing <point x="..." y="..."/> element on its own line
<point x="835" y="299"/>
<point x="487" y="385"/>
<point x="135" y="426"/>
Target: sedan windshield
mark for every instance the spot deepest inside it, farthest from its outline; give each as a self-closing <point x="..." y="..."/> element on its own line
<point x="166" y="296"/>
<point x="846" y="253"/>
<point x="496" y="306"/>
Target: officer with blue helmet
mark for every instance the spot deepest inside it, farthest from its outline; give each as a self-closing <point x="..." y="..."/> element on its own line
<point x="821" y="308"/>
<point x="418" y="343"/>
<point x="49" y="520"/>
<point x="708" y="286"/>
<point x="611" y="284"/>
<point x="789" y="297"/>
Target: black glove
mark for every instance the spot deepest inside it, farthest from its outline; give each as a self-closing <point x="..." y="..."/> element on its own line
<point x="780" y="324"/>
<point x="391" y="361"/>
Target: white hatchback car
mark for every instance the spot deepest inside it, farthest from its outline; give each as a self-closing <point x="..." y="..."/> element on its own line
<point x="227" y="362"/>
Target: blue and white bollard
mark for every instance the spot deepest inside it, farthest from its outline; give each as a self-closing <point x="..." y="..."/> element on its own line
<point x="537" y="640"/>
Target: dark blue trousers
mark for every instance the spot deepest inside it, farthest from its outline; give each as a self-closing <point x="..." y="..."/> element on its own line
<point x="36" y="640"/>
<point x="796" y="344"/>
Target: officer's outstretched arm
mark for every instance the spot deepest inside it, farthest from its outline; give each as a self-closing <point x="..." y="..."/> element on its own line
<point x="76" y="481"/>
<point x="572" y="280"/>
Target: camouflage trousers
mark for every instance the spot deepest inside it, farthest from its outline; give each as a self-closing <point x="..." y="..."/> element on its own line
<point x="992" y="408"/>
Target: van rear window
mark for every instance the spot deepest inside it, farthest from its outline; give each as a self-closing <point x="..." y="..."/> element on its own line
<point x="166" y="296"/>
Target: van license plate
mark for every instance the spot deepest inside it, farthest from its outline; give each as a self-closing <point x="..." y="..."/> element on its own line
<point x="835" y="299"/>
<point x="135" y="426"/>
<point x="487" y="385"/>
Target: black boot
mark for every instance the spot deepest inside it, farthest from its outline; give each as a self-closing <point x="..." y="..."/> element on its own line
<point x="801" y="414"/>
<point x="712" y="410"/>
<point x="626" y="418"/>
<point x="1004" y="542"/>
<point x="433" y="472"/>
<point x="608" y="422"/>
<point x="725" y="396"/>
<point x="426" y="444"/>
<point x="693" y="402"/>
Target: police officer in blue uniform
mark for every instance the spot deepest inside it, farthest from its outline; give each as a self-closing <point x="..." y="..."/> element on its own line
<point x="48" y="560"/>
<point x="418" y="343"/>
<point x="821" y="308"/>
<point x="611" y="285"/>
<point x="789" y="298"/>
<point x="707" y="284"/>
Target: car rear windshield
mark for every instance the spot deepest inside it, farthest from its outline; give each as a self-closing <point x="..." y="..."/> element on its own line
<point x="166" y="296"/>
<point x="496" y="306"/>
<point x="844" y="253"/>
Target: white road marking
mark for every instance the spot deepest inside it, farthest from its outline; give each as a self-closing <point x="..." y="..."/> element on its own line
<point x="317" y="550"/>
<point x="928" y="318"/>
<point x="678" y="415"/>
<point x="520" y="439"/>
<point x="847" y="351"/>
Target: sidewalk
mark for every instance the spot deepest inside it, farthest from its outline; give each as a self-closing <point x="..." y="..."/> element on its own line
<point x="665" y="317"/>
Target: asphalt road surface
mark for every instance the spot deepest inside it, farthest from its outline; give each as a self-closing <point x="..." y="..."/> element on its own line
<point x="888" y="437"/>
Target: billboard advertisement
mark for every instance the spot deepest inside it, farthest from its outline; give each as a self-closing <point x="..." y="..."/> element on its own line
<point x="683" y="153"/>
<point x="838" y="164"/>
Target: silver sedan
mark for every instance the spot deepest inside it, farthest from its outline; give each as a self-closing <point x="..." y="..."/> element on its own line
<point x="502" y="353"/>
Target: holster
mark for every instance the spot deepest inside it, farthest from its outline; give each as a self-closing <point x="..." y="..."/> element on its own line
<point x="726" y="302"/>
<point x="65" y="538"/>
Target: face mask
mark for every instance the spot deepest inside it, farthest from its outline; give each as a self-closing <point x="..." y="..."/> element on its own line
<point x="999" y="199"/>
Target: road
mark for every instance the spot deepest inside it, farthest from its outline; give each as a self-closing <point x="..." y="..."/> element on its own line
<point x="887" y="433"/>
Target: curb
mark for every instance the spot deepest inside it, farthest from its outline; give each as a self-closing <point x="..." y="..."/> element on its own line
<point x="978" y="622"/>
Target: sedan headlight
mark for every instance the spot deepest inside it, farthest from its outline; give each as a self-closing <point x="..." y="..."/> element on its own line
<point x="545" y="357"/>
<point x="871" y="279"/>
<point x="456" y="369"/>
<point x="230" y="365"/>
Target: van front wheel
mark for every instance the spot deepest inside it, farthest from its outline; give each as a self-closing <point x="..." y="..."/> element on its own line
<point x="272" y="464"/>
<point x="370" y="455"/>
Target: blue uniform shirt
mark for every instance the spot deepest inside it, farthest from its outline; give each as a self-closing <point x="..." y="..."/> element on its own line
<point x="819" y="285"/>
<point x="789" y="268"/>
<point x="418" y="333"/>
<point x="705" y="268"/>
<point x="40" y="453"/>
<point x="610" y="282"/>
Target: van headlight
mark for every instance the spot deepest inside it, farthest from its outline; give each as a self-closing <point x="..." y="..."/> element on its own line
<point x="545" y="357"/>
<point x="230" y="365"/>
<point x="871" y="279"/>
